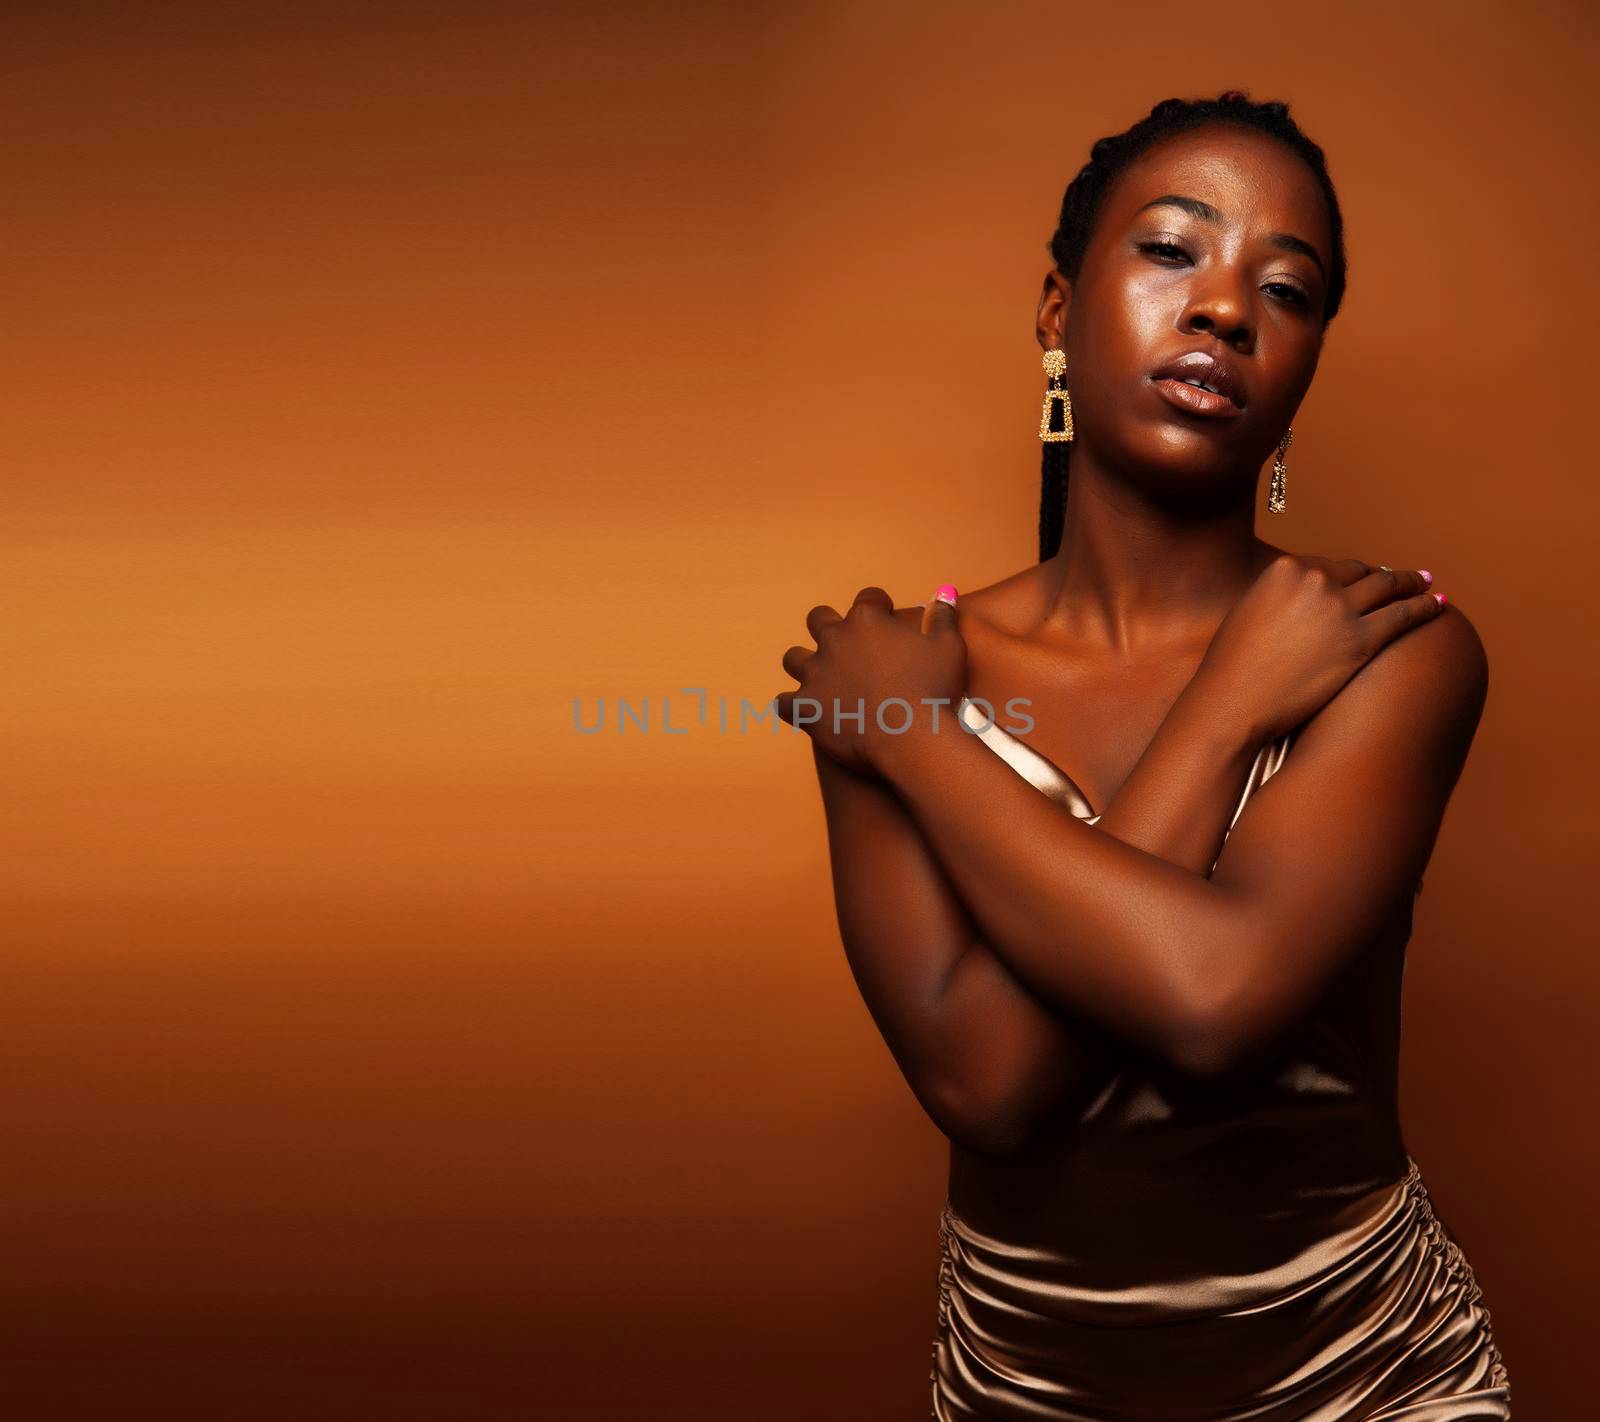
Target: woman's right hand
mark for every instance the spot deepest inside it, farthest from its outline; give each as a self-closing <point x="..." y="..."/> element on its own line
<point x="1305" y="627"/>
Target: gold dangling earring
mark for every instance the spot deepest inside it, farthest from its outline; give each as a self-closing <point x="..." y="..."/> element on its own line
<point x="1276" y="501"/>
<point x="1055" y="366"/>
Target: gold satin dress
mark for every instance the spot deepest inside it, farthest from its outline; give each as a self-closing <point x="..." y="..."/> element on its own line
<point x="1188" y="1249"/>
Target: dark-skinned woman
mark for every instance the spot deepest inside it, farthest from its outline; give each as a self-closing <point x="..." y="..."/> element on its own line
<point x="1132" y="916"/>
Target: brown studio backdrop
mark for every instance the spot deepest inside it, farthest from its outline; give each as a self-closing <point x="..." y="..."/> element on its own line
<point x="384" y="378"/>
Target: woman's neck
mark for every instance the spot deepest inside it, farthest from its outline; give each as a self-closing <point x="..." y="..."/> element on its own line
<point x="1135" y="576"/>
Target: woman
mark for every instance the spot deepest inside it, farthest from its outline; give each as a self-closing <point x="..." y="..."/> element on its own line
<point x="1156" y="1007"/>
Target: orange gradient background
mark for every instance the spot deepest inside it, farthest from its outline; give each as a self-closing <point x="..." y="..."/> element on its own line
<point x="386" y="377"/>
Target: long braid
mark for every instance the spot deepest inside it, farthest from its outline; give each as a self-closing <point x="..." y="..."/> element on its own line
<point x="1053" y="495"/>
<point x="1081" y="205"/>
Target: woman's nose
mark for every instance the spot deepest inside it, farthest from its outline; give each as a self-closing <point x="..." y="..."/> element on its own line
<point x="1221" y="313"/>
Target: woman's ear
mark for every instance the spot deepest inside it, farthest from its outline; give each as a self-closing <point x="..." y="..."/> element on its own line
<point x="1054" y="302"/>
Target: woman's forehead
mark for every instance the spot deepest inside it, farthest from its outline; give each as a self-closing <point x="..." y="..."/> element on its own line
<point x="1246" y="177"/>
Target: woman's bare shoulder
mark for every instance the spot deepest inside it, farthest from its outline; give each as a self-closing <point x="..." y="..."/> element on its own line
<point x="1441" y="661"/>
<point x="1419" y="700"/>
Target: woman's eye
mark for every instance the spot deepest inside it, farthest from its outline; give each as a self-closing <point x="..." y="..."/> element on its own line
<point x="1164" y="251"/>
<point x="1171" y="254"/>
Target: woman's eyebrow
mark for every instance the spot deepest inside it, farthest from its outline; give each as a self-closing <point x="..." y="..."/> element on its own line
<point x="1284" y="241"/>
<point x="1288" y="242"/>
<point x="1193" y="206"/>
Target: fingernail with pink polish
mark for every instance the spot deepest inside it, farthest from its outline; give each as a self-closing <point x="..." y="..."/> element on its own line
<point x="1442" y="599"/>
<point x="1427" y="577"/>
<point x="946" y="593"/>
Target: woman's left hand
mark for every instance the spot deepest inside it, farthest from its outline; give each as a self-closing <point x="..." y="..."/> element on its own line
<point x="897" y="672"/>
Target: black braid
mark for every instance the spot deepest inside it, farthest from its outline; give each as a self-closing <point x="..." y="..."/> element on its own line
<point x="1081" y="206"/>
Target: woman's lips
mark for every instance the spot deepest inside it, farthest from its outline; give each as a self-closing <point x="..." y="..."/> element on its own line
<point x="1192" y="400"/>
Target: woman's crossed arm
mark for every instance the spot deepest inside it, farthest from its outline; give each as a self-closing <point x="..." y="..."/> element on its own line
<point x="995" y="948"/>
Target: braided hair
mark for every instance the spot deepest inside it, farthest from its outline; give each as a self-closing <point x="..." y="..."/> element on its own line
<point x="1081" y="206"/>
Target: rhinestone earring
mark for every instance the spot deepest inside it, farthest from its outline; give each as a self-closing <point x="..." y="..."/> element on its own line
<point x="1055" y="366"/>
<point x="1276" y="502"/>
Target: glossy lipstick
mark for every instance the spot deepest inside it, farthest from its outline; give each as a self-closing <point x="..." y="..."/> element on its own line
<point x="1202" y="384"/>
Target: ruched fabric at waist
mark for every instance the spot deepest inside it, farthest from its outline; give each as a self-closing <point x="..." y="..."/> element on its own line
<point x="1382" y="1314"/>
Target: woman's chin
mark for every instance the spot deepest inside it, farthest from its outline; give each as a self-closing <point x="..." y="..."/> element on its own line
<point x="1185" y="463"/>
